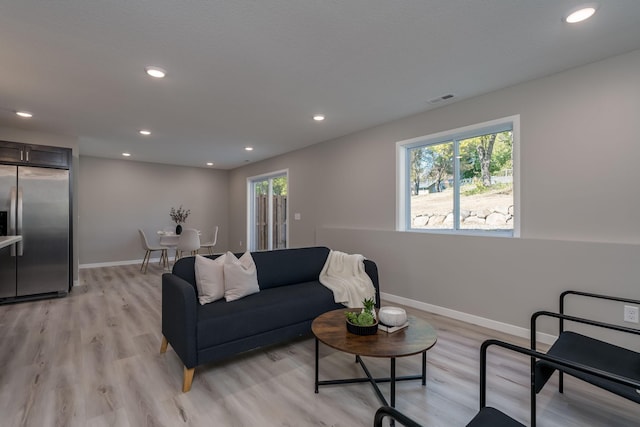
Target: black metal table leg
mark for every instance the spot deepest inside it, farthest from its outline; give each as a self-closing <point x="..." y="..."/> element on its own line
<point x="317" y="345"/>
<point x="392" y="422"/>
<point x="374" y="381"/>
<point x="393" y="382"/>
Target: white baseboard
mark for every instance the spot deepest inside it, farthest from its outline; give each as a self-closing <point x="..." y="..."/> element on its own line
<point x="115" y="263"/>
<point x="470" y="318"/>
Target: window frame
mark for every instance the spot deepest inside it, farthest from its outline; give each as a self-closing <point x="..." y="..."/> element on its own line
<point x="403" y="184"/>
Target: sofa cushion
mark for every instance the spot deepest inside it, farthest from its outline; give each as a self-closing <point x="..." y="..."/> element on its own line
<point x="289" y="266"/>
<point x="240" y="277"/>
<point x="209" y="278"/>
<point x="270" y="309"/>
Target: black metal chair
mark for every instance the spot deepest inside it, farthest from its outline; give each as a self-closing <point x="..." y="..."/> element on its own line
<point x="589" y="352"/>
<point x="491" y="417"/>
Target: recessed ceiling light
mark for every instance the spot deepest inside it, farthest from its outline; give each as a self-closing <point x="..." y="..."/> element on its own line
<point x="318" y="117"/>
<point x="248" y="148"/>
<point x="25" y="114"/>
<point x="209" y="163"/>
<point x="580" y="15"/>
<point x="156" y="72"/>
<point x="145" y="132"/>
<point x="126" y="154"/>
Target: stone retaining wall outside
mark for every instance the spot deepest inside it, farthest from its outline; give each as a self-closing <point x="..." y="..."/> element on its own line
<point x="496" y="218"/>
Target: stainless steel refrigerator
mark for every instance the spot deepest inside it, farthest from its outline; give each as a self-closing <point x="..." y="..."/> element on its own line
<point x="34" y="203"/>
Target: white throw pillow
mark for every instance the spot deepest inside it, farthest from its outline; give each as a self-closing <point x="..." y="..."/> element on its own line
<point x="240" y="277"/>
<point x="210" y="278"/>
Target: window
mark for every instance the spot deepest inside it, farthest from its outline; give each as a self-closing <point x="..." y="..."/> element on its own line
<point x="267" y="220"/>
<point x="462" y="181"/>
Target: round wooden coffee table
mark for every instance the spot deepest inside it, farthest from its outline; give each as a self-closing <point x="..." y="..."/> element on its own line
<point x="330" y="329"/>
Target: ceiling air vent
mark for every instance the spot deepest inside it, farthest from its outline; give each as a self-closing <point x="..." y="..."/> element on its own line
<point x="441" y="98"/>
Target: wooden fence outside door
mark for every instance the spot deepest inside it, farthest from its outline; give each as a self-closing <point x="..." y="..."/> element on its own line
<point x="279" y="228"/>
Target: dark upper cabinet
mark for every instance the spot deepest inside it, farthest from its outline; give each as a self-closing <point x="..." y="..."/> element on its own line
<point x="35" y="155"/>
<point x="42" y="155"/>
<point x="11" y="152"/>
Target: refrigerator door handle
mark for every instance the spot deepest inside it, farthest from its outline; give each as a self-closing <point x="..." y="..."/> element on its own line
<point x="20" y="244"/>
<point x="12" y="218"/>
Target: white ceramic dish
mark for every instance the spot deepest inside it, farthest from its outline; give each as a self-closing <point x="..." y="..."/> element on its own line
<point x="392" y="316"/>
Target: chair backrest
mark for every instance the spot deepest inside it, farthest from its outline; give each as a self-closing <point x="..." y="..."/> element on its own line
<point x="143" y="240"/>
<point x="215" y="236"/>
<point x="189" y="240"/>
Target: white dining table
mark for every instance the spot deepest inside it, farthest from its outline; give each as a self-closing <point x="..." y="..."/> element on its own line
<point x="170" y="238"/>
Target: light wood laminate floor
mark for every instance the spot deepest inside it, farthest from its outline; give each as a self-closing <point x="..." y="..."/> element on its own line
<point x="92" y="359"/>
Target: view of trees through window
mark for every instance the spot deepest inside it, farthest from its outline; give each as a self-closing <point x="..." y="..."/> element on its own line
<point x="279" y="186"/>
<point x="463" y="183"/>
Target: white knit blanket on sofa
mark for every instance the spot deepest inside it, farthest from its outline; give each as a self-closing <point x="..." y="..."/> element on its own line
<point x="344" y="274"/>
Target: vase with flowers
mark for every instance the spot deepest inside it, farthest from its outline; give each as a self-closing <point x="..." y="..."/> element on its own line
<point x="179" y="216"/>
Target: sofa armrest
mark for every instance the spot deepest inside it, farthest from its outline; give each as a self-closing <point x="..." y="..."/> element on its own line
<point x="371" y="269"/>
<point x="179" y="317"/>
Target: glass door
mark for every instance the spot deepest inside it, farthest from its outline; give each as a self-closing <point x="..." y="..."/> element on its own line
<point x="268" y="212"/>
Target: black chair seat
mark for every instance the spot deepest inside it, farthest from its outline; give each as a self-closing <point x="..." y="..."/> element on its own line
<point x="595" y="354"/>
<point x="491" y="417"/>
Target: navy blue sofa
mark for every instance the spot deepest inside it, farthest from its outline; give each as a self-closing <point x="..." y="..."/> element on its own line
<point x="290" y="298"/>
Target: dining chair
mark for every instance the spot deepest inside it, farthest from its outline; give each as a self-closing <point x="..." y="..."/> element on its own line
<point x="189" y="241"/>
<point x="209" y="245"/>
<point x="148" y="248"/>
<point x="169" y="239"/>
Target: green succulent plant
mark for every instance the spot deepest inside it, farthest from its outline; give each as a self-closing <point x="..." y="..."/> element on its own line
<point x="368" y="303"/>
<point x="365" y="317"/>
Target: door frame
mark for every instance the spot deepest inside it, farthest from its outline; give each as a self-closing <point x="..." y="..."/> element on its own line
<point x="251" y="243"/>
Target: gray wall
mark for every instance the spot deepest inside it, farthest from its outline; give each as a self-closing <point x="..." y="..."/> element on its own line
<point x="578" y="154"/>
<point x="116" y="197"/>
<point x="41" y="138"/>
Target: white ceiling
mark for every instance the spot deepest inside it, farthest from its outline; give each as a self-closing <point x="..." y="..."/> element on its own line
<point x="254" y="72"/>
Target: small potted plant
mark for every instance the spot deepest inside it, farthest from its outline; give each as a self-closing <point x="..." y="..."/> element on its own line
<point x="363" y="322"/>
<point x="179" y="216"/>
